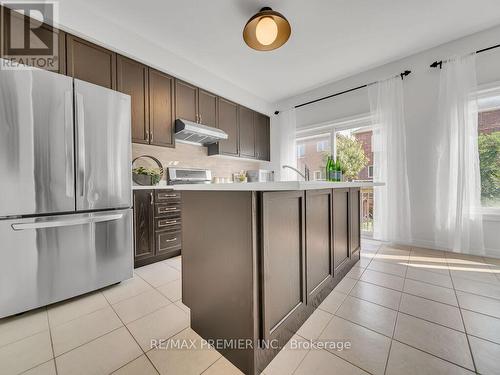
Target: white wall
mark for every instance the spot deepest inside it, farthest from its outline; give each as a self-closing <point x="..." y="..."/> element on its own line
<point x="84" y="21"/>
<point x="421" y="92"/>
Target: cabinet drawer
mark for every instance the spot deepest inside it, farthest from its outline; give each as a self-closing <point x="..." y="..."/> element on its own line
<point x="167" y="210"/>
<point x="168" y="223"/>
<point x="167" y="196"/>
<point x="167" y="241"/>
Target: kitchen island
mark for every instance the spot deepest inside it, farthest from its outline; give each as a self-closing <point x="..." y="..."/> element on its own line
<point x="258" y="259"/>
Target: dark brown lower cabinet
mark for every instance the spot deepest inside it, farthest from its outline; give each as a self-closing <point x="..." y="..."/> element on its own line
<point x="319" y="242"/>
<point x="255" y="265"/>
<point x="283" y="259"/>
<point x="340" y="218"/>
<point x="157" y="225"/>
<point x="355" y="219"/>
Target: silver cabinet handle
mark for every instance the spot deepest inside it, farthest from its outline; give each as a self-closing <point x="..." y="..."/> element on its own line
<point x="80" y="126"/>
<point x="169" y="195"/>
<point x="163" y="209"/>
<point x="66" y="222"/>
<point x="172" y="240"/>
<point x="166" y="223"/>
<point x="151" y="198"/>
<point x="68" y="143"/>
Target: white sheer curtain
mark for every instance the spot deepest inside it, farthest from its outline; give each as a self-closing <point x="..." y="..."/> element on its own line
<point x="287" y="129"/>
<point x="459" y="225"/>
<point x="391" y="210"/>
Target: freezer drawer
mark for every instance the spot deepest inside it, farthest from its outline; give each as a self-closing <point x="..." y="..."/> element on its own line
<point x="36" y="143"/>
<point x="48" y="259"/>
<point x="103" y="148"/>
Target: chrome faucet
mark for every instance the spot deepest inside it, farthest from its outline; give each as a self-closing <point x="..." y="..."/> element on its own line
<point x="306" y="175"/>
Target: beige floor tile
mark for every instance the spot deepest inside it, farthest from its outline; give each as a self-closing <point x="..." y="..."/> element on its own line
<point x="363" y="262"/>
<point x="172" y="290"/>
<point x="391" y="258"/>
<point x="84" y="329"/>
<point x="434" y="339"/>
<point x="186" y="361"/>
<point x="483" y="305"/>
<point x="101" y="356"/>
<point x="222" y="367"/>
<point x="409" y="361"/>
<point x="161" y="324"/>
<point x="355" y="273"/>
<point x="183" y="307"/>
<point x="432" y="292"/>
<point x="486" y="355"/>
<point x="139" y="366"/>
<point x="18" y="327"/>
<point x="345" y="285"/>
<point x="314" y="325"/>
<point x="477" y="287"/>
<point x="47" y="368"/>
<point x="289" y="358"/>
<point x="26" y="353"/>
<point x="422" y="251"/>
<point x="126" y="289"/>
<point x="456" y="259"/>
<point x="67" y="310"/>
<point x="332" y="302"/>
<point x="372" y="316"/>
<point x="369" y="350"/>
<point x="369" y="247"/>
<point x="391" y="268"/>
<point x="158" y="274"/>
<point x="435" y="265"/>
<point x="136" y="307"/>
<point x="429" y="277"/>
<point x="383" y="279"/>
<point x="175" y="262"/>
<point x="321" y="362"/>
<point x="377" y="294"/>
<point x="482" y="326"/>
<point x="484" y="275"/>
<point x="435" y="312"/>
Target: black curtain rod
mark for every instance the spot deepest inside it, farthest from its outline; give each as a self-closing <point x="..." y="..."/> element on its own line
<point x="439" y="64"/>
<point x="402" y="75"/>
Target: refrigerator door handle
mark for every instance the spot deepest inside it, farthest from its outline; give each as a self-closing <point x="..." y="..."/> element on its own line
<point x="68" y="143"/>
<point x="66" y="222"/>
<point x="80" y="128"/>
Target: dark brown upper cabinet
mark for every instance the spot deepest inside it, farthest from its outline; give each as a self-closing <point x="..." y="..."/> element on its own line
<point x="262" y="137"/>
<point x="186" y="101"/>
<point x="207" y="108"/>
<point x="247" y="132"/>
<point x="228" y="122"/>
<point x="91" y="63"/>
<point x="132" y="79"/>
<point x="161" y="109"/>
<point x="12" y="26"/>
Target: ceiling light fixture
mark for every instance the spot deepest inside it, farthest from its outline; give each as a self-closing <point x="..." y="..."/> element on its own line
<point x="267" y="30"/>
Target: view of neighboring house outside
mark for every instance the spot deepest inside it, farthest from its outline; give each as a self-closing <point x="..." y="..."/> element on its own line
<point x="313" y="152"/>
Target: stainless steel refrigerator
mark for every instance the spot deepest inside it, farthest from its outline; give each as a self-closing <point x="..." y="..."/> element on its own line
<point x="65" y="188"/>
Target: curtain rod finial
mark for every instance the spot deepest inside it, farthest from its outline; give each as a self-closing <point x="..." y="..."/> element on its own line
<point x="276" y="112"/>
<point x="436" y="64"/>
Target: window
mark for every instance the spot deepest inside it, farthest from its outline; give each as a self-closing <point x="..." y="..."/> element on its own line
<point x="319" y="175"/>
<point x="370" y="171"/>
<point x="301" y="150"/>
<point x="489" y="146"/>
<point x="323" y="146"/>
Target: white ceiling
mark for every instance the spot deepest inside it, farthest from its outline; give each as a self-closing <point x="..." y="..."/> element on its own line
<point x="331" y="39"/>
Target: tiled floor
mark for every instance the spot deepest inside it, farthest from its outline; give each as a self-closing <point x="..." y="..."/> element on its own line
<point x="403" y="310"/>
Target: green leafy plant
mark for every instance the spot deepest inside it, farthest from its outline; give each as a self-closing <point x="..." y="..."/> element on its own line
<point x="489" y="159"/>
<point x="154" y="173"/>
<point x="351" y="156"/>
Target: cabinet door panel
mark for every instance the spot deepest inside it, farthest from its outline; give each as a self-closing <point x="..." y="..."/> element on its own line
<point x="283" y="257"/>
<point x="340" y="226"/>
<point x="143" y="224"/>
<point x="161" y="109"/>
<point x="90" y="63"/>
<point x="132" y="79"/>
<point x="355" y="213"/>
<point x="186" y="101"/>
<point x="247" y="132"/>
<point x="207" y="108"/>
<point x="318" y="239"/>
<point x="262" y="134"/>
<point x="228" y="121"/>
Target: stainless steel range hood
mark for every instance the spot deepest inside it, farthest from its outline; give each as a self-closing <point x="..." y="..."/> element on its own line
<point x="197" y="134"/>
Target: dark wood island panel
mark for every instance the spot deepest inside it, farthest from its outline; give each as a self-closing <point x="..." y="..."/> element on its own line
<point x="257" y="264"/>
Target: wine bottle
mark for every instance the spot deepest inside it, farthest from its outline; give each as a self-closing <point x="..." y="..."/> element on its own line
<point x="327" y="168"/>
<point x="331" y="170"/>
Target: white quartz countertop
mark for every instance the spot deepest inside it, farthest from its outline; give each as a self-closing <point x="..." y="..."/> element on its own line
<point x="275" y="186"/>
<point x="156" y="187"/>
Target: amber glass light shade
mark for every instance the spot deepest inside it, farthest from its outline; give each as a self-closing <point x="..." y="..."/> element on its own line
<point x="267" y="30"/>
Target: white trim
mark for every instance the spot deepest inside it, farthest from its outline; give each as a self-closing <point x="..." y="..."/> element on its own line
<point x="340" y="124"/>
